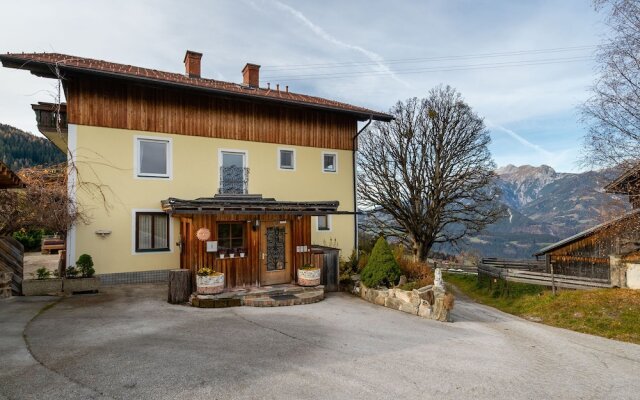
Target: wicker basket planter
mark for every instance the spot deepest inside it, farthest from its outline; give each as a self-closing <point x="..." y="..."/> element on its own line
<point x="210" y="284"/>
<point x="309" y="276"/>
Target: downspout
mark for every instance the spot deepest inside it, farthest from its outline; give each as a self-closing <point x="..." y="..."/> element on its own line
<point x="355" y="197"/>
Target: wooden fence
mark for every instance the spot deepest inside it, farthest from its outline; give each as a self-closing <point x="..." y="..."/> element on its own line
<point x="537" y="273"/>
<point x="11" y="260"/>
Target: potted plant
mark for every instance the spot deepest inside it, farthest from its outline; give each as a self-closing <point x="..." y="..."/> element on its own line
<point x="209" y="281"/>
<point x="241" y="251"/>
<point x="222" y="253"/>
<point x="87" y="282"/>
<point x="308" y="275"/>
<point x="41" y="284"/>
<point x="232" y="252"/>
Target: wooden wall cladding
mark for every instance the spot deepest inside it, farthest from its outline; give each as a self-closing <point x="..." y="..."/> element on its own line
<point x="245" y="271"/>
<point x="117" y="104"/>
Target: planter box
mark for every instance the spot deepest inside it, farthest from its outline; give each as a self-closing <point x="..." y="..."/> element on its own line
<point x="77" y="285"/>
<point x="41" y="287"/>
<point x="210" y="284"/>
<point x="309" y="277"/>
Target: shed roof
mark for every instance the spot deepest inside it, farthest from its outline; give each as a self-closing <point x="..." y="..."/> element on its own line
<point x="627" y="183"/>
<point x="587" y="233"/>
<point x="45" y="64"/>
<point x="8" y="178"/>
<point x="248" y="204"/>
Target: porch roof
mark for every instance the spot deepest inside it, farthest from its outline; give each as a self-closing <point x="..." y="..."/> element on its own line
<point x="8" y="179"/>
<point x="249" y="204"/>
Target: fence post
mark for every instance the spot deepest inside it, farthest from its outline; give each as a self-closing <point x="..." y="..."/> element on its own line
<point x="547" y="258"/>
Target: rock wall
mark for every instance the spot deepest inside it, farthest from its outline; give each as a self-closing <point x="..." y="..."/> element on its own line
<point x="431" y="302"/>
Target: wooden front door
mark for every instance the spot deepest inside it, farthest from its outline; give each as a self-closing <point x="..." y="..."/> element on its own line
<point x="185" y="243"/>
<point x="275" y="259"/>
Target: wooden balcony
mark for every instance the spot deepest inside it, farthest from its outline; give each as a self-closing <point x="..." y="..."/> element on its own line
<point x="50" y="117"/>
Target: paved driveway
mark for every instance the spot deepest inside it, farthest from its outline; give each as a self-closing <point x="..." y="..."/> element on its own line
<point x="129" y="343"/>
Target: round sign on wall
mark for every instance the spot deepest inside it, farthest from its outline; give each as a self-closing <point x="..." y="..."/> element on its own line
<point x="203" y="234"/>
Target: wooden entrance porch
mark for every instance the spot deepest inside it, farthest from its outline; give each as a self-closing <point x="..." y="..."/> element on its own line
<point x="254" y="241"/>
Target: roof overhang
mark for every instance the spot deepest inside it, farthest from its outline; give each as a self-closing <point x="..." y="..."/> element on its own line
<point x="8" y="179"/>
<point x="48" y="70"/>
<point x="249" y="205"/>
<point x="587" y="233"/>
<point x="627" y="183"/>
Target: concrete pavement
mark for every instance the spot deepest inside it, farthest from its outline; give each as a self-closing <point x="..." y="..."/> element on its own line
<point x="129" y="343"/>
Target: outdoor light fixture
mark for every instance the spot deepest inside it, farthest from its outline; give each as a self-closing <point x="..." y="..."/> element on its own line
<point x="103" y="233"/>
<point x="256" y="225"/>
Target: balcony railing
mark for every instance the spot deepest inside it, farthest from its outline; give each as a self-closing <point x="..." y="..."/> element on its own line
<point x="233" y="180"/>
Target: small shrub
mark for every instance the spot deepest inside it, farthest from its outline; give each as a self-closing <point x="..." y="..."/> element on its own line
<point x="85" y="266"/>
<point x="382" y="268"/>
<point x="419" y="274"/>
<point x="30" y="239"/>
<point x="43" y="273"/>
<point x="348" y="267"/>
<point x="71" y="272"/>
<point x="308" y="267"/>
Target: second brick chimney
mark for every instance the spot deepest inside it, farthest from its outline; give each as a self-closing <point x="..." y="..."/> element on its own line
<point x="251" y="75"/>
<point x="192" y="64"/>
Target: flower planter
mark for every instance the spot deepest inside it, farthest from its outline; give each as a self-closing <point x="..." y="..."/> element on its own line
<point x="77" y="285"/>
<point x="309" y="277"/>
<point x="210" y="284"/>
<point x="41" y="287"/>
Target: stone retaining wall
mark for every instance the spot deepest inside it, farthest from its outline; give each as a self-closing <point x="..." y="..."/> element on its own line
<point x="429" y="302"/>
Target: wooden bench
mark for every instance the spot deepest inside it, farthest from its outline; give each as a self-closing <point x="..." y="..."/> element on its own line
<point x="49" y="245"/>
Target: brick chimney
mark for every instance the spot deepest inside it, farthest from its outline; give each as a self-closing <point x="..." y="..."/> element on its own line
<point x="192" y="64"/>
<point x="251" y="75"/>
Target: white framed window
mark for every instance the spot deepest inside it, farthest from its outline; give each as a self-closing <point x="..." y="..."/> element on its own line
<point x="329" y="162"/>
<point x="287" y="159"/>
<point x="152" y="157"/>
<point x="323" y="223"/>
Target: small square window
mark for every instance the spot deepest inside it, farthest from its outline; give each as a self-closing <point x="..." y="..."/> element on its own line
<point x="287" y="159"/>
<point x="329" y="162"/>
<point x="153" y="158"/>
<point x="323" y="223"/>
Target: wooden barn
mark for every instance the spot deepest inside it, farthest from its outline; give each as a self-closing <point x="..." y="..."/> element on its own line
<point x="607" y="251"/>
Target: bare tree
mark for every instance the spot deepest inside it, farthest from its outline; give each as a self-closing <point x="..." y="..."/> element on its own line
<point x="427" y="177"/>
<point x="613" y="111"/>
<point x="43" y="204"/>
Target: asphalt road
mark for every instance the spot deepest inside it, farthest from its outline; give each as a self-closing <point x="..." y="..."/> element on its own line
<point x="128" y="343"/>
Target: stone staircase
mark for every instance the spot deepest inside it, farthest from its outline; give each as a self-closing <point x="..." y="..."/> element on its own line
<point x="271" y="296"/>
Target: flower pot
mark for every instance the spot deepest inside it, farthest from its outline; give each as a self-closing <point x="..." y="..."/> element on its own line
<point x="210" y="284"/>
<point x="232" y="255"/>
<point x="76" y="285"/>
<point x="221" y="255"/>
<point x="309" y="277"/>
<point x="41" y="287"/>
<point x="241" y="255"/>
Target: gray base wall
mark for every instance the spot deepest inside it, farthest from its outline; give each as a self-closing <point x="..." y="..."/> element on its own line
<point x="123" y="278"/>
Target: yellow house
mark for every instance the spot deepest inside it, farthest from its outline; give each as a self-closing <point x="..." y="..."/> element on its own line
<point x="178" y="171"/>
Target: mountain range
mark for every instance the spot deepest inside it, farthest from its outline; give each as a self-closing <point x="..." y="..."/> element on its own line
<point x="544" y="206"/>
<point x="20" y="149"/>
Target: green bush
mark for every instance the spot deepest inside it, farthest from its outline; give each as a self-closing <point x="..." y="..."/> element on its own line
<point x="30" y="239"/>
<point x="382" y="268"/>
<point x="71" y="272"/>
<point x="43" y="273"/>
<point x="85" y="266"/>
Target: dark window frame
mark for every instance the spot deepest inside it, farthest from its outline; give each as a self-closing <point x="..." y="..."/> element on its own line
<point x="230" y="238"/>
<point x="153" y="228"/>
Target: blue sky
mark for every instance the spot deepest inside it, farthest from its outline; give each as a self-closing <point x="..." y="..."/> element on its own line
<point x="530" y="109"/>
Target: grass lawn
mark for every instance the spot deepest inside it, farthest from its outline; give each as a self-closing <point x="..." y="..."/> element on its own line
<point x="611" y="313"/>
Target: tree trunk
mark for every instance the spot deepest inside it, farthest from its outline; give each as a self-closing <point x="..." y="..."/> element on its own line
<point x="179" y="286"/>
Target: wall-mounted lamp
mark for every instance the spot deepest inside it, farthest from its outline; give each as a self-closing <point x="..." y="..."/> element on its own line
<point x="103" y="233"/>
<point x="256" y="225"/>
